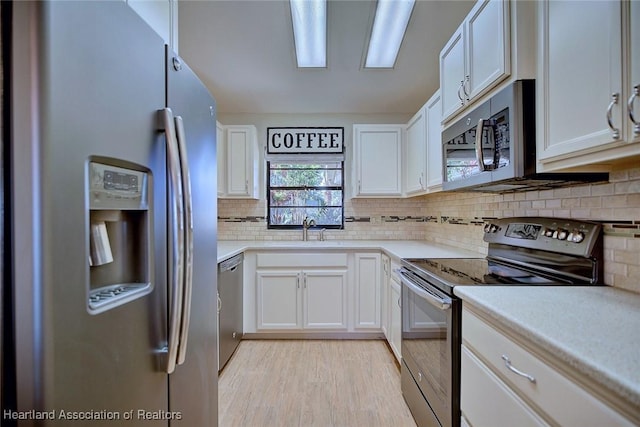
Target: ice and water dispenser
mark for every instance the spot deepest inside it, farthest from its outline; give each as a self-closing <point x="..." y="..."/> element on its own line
<point x="119" y="235"/>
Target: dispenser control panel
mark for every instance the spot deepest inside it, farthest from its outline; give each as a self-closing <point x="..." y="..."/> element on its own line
<point x="120" y="181"/>
<point x="113" y="187"/>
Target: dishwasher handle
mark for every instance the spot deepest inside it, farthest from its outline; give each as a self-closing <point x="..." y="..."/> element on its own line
<point x="230" y="264"/>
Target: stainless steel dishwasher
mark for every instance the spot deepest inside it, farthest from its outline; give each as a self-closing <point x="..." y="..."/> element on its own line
<point x="229" y="307"/>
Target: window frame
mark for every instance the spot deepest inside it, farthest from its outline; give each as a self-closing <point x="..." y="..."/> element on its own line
<point x="271" y="226"/>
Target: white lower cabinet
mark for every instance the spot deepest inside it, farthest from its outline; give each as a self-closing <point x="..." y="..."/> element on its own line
<point x="278" y="300"/>
<point x="521" y="387"/>
<point x="313" y="292"/>
<point x="479" y="386"/>
<point x="391" y="315"/>
<point x="367" y="290"/>
<point x="302" y="299"/>
<point x="385" y="296"/>
<point x="324" y="296"/>
<point x="395" y="326"/>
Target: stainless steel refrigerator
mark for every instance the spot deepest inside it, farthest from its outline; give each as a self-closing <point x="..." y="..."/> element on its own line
<point x="109" y="273"/>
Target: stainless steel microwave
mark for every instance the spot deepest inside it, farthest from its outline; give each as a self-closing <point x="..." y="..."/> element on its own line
<point x="493" y="148"/>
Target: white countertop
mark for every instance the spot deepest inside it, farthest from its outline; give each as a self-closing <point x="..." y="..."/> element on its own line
<point x="397" y="248"/>
<point x="594" y="330"/>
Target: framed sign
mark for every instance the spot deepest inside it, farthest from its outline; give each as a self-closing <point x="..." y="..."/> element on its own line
<point x="305" y="140"/>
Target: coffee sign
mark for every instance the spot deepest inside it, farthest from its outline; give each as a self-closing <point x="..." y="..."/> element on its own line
<point x="305" y="140"/>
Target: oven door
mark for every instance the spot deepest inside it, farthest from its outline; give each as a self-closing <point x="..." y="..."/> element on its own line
<point x="431" y="348"/>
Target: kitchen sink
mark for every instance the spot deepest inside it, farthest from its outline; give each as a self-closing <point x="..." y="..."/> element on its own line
<point x="308" y="243"/>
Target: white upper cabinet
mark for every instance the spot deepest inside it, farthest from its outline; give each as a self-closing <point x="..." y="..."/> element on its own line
<point x="487" y="32"/>
<point x="434" y="143"/>
<point x="377" y="160"/>
<point x="415" y="155"/>
<point x="588" y="66"/>
<point x="422" y="161"/>
<point x="240" y="146"/>
<point x="633" y="83"/>
<point x="452" y="73"/>
<point x="221" y="155"/>
<point x="161" y="16"/>
<point x="477" y="56"/>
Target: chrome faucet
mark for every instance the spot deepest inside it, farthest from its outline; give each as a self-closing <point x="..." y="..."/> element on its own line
<point x="305" y="226"/>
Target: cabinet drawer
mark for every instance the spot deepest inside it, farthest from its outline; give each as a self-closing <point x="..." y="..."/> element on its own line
<point x="480" y="385"/>
<point x="560" y="398"/>
<point x="294" y="260"/>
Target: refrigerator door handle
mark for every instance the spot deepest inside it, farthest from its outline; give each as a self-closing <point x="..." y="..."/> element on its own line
<point x="188" y="254"/>
<point x="176" y="234"/>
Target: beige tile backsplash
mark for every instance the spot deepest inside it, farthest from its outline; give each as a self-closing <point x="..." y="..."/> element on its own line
<point x="456" y="219"/>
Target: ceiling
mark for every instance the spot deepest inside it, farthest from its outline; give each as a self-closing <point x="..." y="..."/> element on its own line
<point x="244" y="52"/>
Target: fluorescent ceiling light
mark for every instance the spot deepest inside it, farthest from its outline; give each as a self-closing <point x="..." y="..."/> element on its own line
<point x="310" y="32"/>
<point x="389" y="26"/>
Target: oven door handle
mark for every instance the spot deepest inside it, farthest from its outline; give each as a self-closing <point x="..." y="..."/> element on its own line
<point x="436" y="301"/>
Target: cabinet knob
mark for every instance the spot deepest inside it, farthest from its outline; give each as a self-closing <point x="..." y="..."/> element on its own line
<point x="615" y="132"/>
<point x="636" y="125"/>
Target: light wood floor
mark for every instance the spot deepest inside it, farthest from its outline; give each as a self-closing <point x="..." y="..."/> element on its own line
<point x="321" y="383"/>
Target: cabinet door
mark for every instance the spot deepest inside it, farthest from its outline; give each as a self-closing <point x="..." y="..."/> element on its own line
<point x="580" y="70"/>
<point x="367" y="291"/>
<point x="487" y="32"/>
<point x="241" y="147"/>
<point x="480" y="387"/>
<point x="378" y="158"/>
<point x="384" y="296"/>
<point x="325" y="299"/>
<point x="416" y="155"/>
<point x="221" y="156"/>
<point x="434" y="143"/>
<point x="452" y="72"/>
<point x="278" y="301"/>
<point x="396" y="319"/>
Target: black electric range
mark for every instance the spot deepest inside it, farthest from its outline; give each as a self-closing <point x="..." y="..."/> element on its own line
<point x="521" y="251"/>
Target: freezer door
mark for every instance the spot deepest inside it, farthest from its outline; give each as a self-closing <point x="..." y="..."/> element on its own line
<point x="193" y="385"/>
<point x="88" y="79"/>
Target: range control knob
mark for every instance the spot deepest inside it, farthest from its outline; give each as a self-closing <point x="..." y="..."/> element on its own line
<point x="548" y="232"/>
<point x="562" y="234"/>
<point x="576" y="237"/>
<point x="490" y="228"/>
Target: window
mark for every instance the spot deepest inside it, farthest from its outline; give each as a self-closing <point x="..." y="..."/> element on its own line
<point x="299" y="190"/>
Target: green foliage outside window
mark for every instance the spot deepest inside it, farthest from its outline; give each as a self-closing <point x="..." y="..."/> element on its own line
<point x="297" y="191"/>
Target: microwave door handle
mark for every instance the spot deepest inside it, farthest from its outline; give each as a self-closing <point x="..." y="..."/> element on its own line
<point x="494" y="144"/>
<point x="176" y="230"/>
<point x="479" y="152"/>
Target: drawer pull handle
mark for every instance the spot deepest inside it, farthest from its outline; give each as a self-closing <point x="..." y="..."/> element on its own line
<point x="509" y="366"/>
